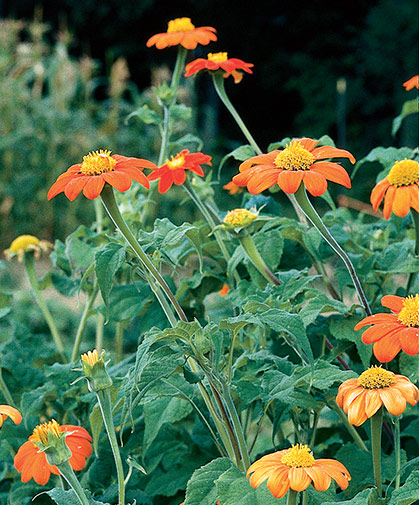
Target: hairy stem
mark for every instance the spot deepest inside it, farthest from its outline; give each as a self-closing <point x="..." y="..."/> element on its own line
<point x="254" y="256"/>
<point x="83" y="320"/>
<point x="67" y="472"/>
<point x="376" y="430"/>
<point x="5" y="391"/>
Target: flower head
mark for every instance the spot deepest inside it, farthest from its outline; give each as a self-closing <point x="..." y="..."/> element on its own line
<point x="98" y="168"/>
<point x="8" y="411"/>
<point x="31" y="459"/>
<point x="391" y="333"/>
<point x="27" y="243"/>
<point x="239" y="218"/>
<point x="182" y="31"/>
<point x="173" y="171"/>
<point x="400" y="189"/>
<point x="298" y="162"/>
<point x="94" y="368"/>
<point x="411" y="83"/>
<point x="361" y="398"/>
<point x="232" y="188"/>
<point x="219" y="61"/>
<point x="296" y="468"/>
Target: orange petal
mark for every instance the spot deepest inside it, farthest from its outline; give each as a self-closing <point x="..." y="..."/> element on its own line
<point x="260" y="159"/>
<point x="376" y="319"/>
<point x="320" y="153"/>
<point x="388" y="201"/>
<point x="321" y="479"/>
<point x="119" y="180"/>
<point x="59" y="186"/>
<point x="408" y="390"/>
<point x="165" y="182"/>
<point x="351" y="395"/>
<point x="356" y="410"/>
<point x="372" y="402"/>
<point x="308" y="143"/>
<point x="336" y="470"/>
<point x="378" y="193"/>
<point x="278" y="483"/>
<point x="387" y="348"/>
<point x="315" y="183"/>
<point x="262" y="179"/>
<point x="11" y="412"/>
<point x="409" y="340"/>
<point x="136" y="175"/>
<point x="93" y="187"/>
<point x="375" y="333"/>
<point x="299" y="479"/>
<point x="332" y="172"/>
<point x="393" y="400"/>
<point x="393" y="302"/>
<point x="289" y="180"/>
<point x="414" y="197"/>
<point x="74" y="186"/>
<point x="401" y="202"/>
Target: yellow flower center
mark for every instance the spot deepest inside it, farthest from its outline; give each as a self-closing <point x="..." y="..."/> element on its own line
<point x="98" y="162"/>
<point x="91" y="357"/>
<point x="23" y="242"/>
<point x="409" y="315"/>
<point x="218" y="57"/>
<point x="176" y="162"/>
<point x="239" y="217"/>
<point x="294" y="157"/>
<point x="180" y="25"/>
<point x="40" y="433"/>
<point x="299" y="456"/>
<point x="404" y="173"/>
<point x="376" y="378"/>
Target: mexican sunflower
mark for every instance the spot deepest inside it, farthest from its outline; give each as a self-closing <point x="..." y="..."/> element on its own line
<point x="182" y="31"/>
<point x="361" y="398"/>
<point x="219" y="61"/>
<point x="411" y="83"/>
<point x="296" y="468"/>
<point x="8" y="411"/>
<point x="391" y="333"/>
<point x="300" y="161"/>
<point x="25" y="244"/>
<point x="32" y="462"/>
<point x="400" y="189"/>
<point x="98" y="168"/>
<point x="232" y="188"/>
<point x="173" y="171"/>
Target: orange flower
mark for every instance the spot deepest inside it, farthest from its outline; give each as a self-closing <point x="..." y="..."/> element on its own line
<point x="400" y="189"/>
<point x="411" y="83"/>
<point x="33" y="464"/>
<point x="182" y="31"/>
<point x="7" y="411"/>
<point x="98" y="168"/>
<point x="173" y="171"/>
<point x="391" y="333"/>
<point x="217" y="61"/>
<point x="297" y="163"/>
<point x="296" y="468"/>
<point x="232" y="188"/>
<point x="361" y="398"/>
<point x="224" y="290"/>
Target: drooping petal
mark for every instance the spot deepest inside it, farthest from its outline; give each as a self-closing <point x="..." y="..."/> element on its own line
<point x="289" y="180"/>
<point x="409" y="340"/>
<point x="320" y="153"/>
<point x="137" y="176"/>
<point x="376" y="319"/>
<point x="119" y="180"/>
<point x="388" y="201"/>
<point x="387" y="348"/>
<point x="299" y="479"/>
<point x="165" y="182"/>
<point x="179" y="177"/>
<point x="11" y="412"/>
<point x="372" y="402"/>
<point x="278" y="483"/>
<point x="401" y="202"/>
<point x="332" y="172"/>
<point x="94" y="187"/>
<point x="378" y="331"/>
<point x="356" y="410"/>
<point x="336" y="470"/>
<point x="414" y="197"/>
<point x="408" y="390"/>
<point x="393" y="400"/>
<point x="308" y="143"/>
<point x="59" y="186"/>
<point x="393" y="302"/>
<point x="343" y="389"/>
<point x="315" y="183"/>
<point x="262" y="179"/>
<point x="137" y="163"/>
<point x="260" y="159"/>
<point x="321" y="479"/>
<point x="378" y="193"/>
<point x="74" y="186"/>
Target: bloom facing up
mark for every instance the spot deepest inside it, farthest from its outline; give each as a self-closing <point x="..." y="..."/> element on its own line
<point x="8" y="411"/>
<point x="400" y="189"/>
<point x="391" y="333"/>
<point x="411" y="83"/>
<point x="27" y="243"/>
<point x="298" y="162"/>
<point x="33" y="464"/>
<point x="361" y="398"/>
<point x="98" y="168"/>
<point x="296" y="468"/>
<point x="173" y="171"/>
<point x="182" y="31"/>
<point x="219" y="61"/>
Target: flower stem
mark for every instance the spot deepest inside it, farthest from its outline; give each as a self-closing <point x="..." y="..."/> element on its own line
<point x="292" y="497"/>
<point x="83" y="320"/>
<point x="29" y="265"/>
<point x="254" y="256"/>
<point x="105" y="404"/>
<point x="5" y="391"/>
<point x="397" y="449"/>
<point x="412" y="275"/>
<point x="376" y="430"/>
<point x="119" y="335"/>
<point x="316" y="221"/>
<point x="67" y="472"/>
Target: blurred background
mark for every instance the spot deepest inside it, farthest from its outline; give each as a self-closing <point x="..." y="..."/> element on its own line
<point x="71" y="72"/>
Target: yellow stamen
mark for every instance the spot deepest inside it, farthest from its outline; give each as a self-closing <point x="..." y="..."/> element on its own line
<point x="180" y="25"/>
<point x="98" y="162"/>
<point x="218" y="57"/>
<point x="23" y="243"/>
<point x="176" y="162"/>
<point x="376" y="378"/>
<point x="239" y="217"/>
<point x="40" y="433"/>
<point x="404" y="173"/>
<point x="91" y="357"/>
<point x="409" y="315"/>
<point x="299" y="456"/>
<point x="294" y="157"/>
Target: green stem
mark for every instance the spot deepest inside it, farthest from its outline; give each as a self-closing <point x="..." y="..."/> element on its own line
<point x="376" y="430"/>
<point x="83" y="320"/>
<point x="352" y="431"/>
<point x="316" y="221"/>
<point x="67" y="472"/>
<point x="100" y="321"/>
<point x="5" y="391"/>
<point x="119" y="336"/>
<point x="397" y="449"/>
<point x="254" y="256"/>
<point x="105" y="404"/>
<point x="292" y="497"/>
<point x="412" y="275"/>
<point x="29" y="265"/>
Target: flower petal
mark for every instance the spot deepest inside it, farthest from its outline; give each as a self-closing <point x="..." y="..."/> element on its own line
<point x="401" y="203"/>
<point x="393" y="400"/>
<point x="409" y="340"/>
<point x="94" y="187"/>
<point x="136" y="175"/>
<point x="299" y="479"/>
<point x="11" y="412"/>
<point x="372" y="402"/>
<point x="378" y="193"/>
<point x="74" y="186"/>
<point x="289" y="180"/>
<point x="393" y="302"/>
<point x="356" y="410"/>
<point x="321" y="479"/>
<point x="320" y="153"/>
<point x="388" y="201"/>
<point x="278" y="483"/>
<point x="315" y="183"/>
<point x="118" y="179"/>
<point x="376" y="319"/>
<point x="332" y="172"/>
<point x="378" y="331"/>
<point x="387" y="348"/>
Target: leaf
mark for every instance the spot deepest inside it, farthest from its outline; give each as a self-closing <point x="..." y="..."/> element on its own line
<point x="386" y="156"/>
<point x="343" y="329"/>
<point x="366" y="497"/>
<point x="96" y="425"/>
<point x="324" y="375"/>
<point x="62" y="497"/>
<point x="408" y="493"/>
<point x="241" y="153"/>
<point x="409" y="366"/>
<point x="180" y="111"/>
<point x="409" y="107"/>
<point x="146" y="115"/>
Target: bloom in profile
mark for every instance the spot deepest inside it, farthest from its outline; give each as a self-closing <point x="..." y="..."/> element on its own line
<point x="411" y="83"/>
<point x="27" y="243"/>
<point x="300" y="161"/>
<point x="232" y="188"/>
<point x="361" y="398"/>
<point x="400" y="189"/>
<point x="239" y="218"/>
<point x="98" y="168"/>
<point x="31" y="459"/>
<point x="219" y="61"/>
<point x="173" y="171"/>
<point x="391" y="333"/>
<point x="8" y="411"/>
<point x="182" y="31"/>
<point x="296" y="469"/>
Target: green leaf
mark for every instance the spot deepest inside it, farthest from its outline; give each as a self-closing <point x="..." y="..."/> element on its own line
<point x="386" y="156"/>
<point x="408" y="493"/>
<point x="62" y="497"/>
<point x="343" y="329"/>
<point x="180" y="111"/>
<point x="324" y="375"/>
<point x="80" y="253"/>
<point x="409" y="107"/>
<point x="146" y="115"/>
<point x="241" y="153"/>
<point x="366" y="497"/>
<point x="409" y="366"/>
<point x="96" y="425"/>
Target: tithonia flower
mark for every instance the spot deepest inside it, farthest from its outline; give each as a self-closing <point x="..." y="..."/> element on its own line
<point x="98" y="168"/>
<point x="239" y="218"/>
<point x="296" y="468"/>
<point x="411" y="83"/>
<point x="224" y="290"/>
<point x="298" y="162"/>
<point x="182" y="31"/>
<point x="219" y="61"/>
<point x="361" y="398"/>
<point x="8" y="411"/>
<point x="173" y="171"/>
<point x="32" y="462"/>
<point x="232" y="188"/>
<point x="27" y="243"/>
<point x="400" y="189"/>
<point x="391" y="333"/>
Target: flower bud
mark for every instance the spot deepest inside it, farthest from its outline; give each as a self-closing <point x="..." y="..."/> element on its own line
<point x="94" y="368"/>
